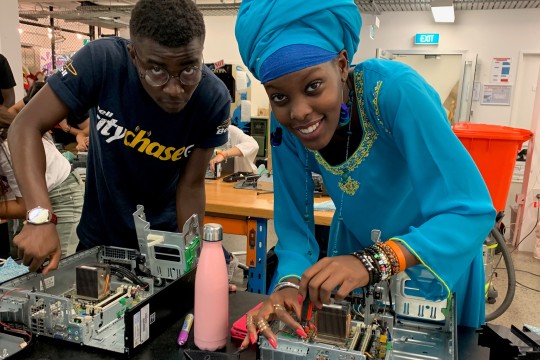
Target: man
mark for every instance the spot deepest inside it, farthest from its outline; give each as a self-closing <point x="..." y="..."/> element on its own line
<point x="7" y="83"/>
<point x="156" y="114"/>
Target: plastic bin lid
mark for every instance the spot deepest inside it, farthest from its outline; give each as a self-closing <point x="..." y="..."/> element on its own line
<point x="489" y="131"/>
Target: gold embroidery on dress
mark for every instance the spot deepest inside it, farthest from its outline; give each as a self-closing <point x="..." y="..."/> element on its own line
<point x="376" y="105"/>
<point x="347" y="184"/>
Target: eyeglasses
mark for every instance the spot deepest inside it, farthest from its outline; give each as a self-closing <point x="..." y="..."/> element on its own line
<point x="158" y="76"/>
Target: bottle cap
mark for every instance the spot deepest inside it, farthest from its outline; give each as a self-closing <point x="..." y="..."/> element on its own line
<point x="212" y="232"/>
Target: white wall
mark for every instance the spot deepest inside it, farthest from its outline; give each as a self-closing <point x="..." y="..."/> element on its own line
<point x="221" y="44"/>
<point x="488" y="33"/>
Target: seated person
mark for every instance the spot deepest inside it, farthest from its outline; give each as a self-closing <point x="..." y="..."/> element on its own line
<point x="240" y="146"/>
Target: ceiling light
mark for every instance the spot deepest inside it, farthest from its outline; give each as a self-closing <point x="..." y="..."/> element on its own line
<point x="443" y="11"/>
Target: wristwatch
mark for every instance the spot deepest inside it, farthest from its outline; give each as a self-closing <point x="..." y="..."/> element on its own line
<point x="39" y="215"/>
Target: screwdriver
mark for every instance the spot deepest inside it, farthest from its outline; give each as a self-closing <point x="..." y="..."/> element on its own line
<point x="307" y="312"/>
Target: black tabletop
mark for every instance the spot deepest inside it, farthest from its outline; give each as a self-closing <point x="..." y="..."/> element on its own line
<point x="164" y="346"/>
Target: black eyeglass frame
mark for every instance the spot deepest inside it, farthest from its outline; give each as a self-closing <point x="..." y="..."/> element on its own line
<point x="152" y="83"/>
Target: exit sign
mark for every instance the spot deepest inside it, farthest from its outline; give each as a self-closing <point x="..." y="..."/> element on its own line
<point x="426" y="39"/>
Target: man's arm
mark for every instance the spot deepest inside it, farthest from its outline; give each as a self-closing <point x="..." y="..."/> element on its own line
<point x="9" y="97"/>
<point x="36" y="243"/>
<point x="190" y="193"/>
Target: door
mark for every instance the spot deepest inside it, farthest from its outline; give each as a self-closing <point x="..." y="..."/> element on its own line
<point x="451" y="74"/>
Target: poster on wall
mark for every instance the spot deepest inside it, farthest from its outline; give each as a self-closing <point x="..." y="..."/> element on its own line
<point x="500" y="70"/>
<point x="496" y="95"/>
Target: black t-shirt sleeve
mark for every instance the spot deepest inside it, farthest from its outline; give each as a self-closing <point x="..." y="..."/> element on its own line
<point x="7" y="81"/>
<point x="78" y="82"/>
<point x="76" y="120"/>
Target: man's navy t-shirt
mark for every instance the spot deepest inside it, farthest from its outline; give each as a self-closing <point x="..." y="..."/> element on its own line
<point x="137" y="150"/>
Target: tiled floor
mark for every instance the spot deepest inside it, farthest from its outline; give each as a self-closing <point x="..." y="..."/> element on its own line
<point x="523" y="309"/>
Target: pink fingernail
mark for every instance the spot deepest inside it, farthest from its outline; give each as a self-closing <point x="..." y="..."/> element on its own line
<point x="319" y="306"/>
<point x="273" y="343"/>
<point x="301" y="332"/>
<point x="253" y="338"/>
<point x="300" y="299"/>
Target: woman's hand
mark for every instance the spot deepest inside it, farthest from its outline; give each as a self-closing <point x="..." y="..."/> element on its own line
<point x="82" y="141"/>
<point x="344" y="272"/>
<point x="220" y="157"/>
<point x="278" y="306"/>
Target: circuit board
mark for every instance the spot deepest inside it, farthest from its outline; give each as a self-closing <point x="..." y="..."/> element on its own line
<point x="109" y="298"/>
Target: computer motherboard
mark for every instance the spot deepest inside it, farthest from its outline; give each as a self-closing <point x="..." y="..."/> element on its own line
<point x="380" y="322"/>
<point x="108" y="297"/>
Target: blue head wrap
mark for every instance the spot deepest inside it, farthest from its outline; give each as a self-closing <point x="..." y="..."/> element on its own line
<point x="277" y="37"/>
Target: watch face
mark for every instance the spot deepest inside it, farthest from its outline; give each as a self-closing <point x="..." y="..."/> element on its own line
<point x="38" y="216"/>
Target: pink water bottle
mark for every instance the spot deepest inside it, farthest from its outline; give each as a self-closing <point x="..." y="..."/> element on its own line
<point x="211" y="318"/>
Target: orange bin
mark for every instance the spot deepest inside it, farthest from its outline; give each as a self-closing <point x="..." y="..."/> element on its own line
<point x="494" y="149"/>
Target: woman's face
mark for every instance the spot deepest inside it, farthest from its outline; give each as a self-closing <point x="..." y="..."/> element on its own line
<point x="308" y="101"/>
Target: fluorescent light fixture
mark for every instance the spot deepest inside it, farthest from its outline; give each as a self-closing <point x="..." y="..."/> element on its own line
<point x="443" y="11"/>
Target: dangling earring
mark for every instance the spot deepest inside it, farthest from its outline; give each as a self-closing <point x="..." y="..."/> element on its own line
<point x="345" y="112"/>
<point x="276" y="137"/>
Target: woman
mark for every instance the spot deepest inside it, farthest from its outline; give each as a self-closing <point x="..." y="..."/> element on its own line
<point x="242" y="147"/>
<point x="379" y="136"/>
<point x="66" y="190"/>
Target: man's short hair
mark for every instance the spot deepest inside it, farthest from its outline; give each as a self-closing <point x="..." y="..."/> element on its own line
<point x="171" y="23"/>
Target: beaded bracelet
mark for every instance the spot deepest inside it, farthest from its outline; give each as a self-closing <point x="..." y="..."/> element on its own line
<point x="360" y="255"/>
<point x="380" y="261"/>
<point x="285" y="284"/>
<point x="391" y="255"/>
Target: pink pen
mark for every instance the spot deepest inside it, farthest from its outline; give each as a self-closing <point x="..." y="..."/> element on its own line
<point x="186" y="327"/>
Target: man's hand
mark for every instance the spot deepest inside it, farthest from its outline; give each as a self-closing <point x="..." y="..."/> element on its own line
<point x="37" y="243"/>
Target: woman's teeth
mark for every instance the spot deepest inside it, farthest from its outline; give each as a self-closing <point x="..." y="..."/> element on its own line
<point x="310" y="129"/>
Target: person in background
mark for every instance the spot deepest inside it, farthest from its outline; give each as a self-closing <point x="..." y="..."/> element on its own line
<point x="156" y="114"/>
<point x="242" y="147"/>
<point x="389" y="159"/>
<point x="7" y="83"/>
<point x="65" y="189"/>
<point x="72" y="133"/>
